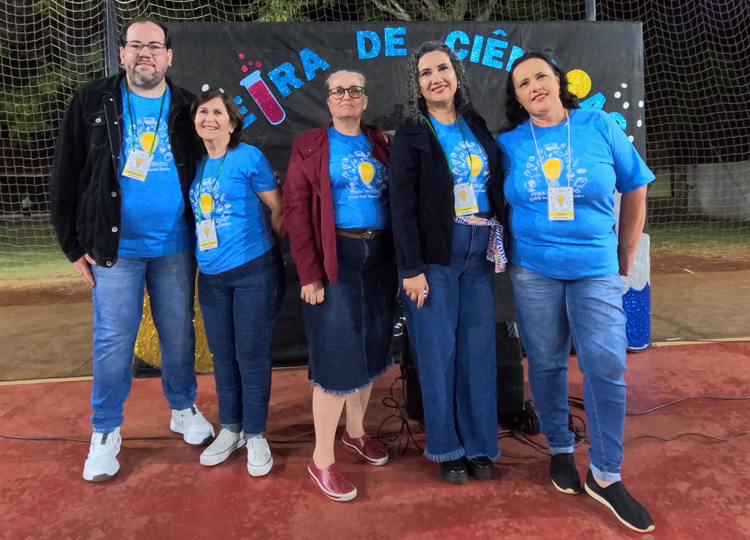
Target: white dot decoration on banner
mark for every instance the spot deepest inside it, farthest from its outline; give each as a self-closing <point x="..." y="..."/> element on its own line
<point x="204" y="87"/>
<point x="640" y="104"/>
<point x="618" y="95"/>
<point x="625" y="105"/>
<point x="639" y="123"/>
<point x="624" y="85"/>
<point x="631" y="138"/>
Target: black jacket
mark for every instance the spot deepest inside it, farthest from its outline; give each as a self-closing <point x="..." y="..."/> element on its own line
<point x="85" y="191"/>
<point x="422" y="194"/>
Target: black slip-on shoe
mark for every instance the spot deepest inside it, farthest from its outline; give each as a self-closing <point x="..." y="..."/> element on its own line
<point x="562" y="469"/>
<point x="455" y="471"/>
<point x="625" y="507"/>
<point x="481" y="468"/>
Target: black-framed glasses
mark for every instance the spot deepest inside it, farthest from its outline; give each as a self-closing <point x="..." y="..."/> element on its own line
<point x="355" y="92"/>
<point x="154" y="47"/>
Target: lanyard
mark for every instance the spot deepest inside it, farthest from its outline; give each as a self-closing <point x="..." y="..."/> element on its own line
<point x="213" y="185"/>
<point x="539" y="154"/>
<point x="450" y="167"/>
<point x="132" y="124"/>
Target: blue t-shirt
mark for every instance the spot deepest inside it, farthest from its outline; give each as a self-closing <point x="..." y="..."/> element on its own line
<point x="242" y="230"/>
<point x="359" y="183"/>
<point x="603" y="159"/>
<point x="153" y="210"/>
<point x="466" y="154"/>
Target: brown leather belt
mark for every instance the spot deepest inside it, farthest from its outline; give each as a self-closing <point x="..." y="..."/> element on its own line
<point x="364" y="234"/>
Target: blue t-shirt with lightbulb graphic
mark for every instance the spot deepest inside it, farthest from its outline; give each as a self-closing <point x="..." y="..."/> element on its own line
<point x="601" y="160"/>
<point x="359" y="183"/>
<point x="231" y="200"/>
<point x="466" y="155"/>
<point x="153" y="210"/>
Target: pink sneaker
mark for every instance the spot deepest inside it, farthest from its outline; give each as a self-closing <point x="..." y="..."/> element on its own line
<point x="373" y="452"/>
<point x="332" y="482"/>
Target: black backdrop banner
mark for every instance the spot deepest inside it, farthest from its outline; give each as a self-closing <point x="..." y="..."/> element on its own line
<point x="276" y="71"/>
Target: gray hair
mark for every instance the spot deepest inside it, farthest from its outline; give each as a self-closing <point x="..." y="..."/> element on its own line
<point x="416" y="108"/>
<point x="332" y="75"/>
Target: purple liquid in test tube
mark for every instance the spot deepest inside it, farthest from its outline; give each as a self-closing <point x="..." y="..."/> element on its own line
<point x="264" y="98"/>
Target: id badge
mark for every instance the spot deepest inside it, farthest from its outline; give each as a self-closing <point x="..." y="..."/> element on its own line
<point x="560" y="203"/>
<point x="207" y="235"/>
<point x="464" y="199"/>
<point x="137" y="165"/>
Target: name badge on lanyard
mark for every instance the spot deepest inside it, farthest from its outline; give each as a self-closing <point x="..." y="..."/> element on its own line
<point x="139" y="161"/>
<point x="465" y="201"/>
<point x="560" y="206"/>
<point x="207" y="234"/>
<point x="137" y="165"/>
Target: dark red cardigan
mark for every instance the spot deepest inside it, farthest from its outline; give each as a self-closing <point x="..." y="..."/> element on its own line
<point x="308" y="205"/>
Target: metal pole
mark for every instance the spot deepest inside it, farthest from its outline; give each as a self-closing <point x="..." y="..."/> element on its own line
<point x="111" y="31"/>
<point x="591" y="10"/>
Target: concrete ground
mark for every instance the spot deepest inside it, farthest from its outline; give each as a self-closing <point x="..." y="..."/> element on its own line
<point x="46" y="328"/>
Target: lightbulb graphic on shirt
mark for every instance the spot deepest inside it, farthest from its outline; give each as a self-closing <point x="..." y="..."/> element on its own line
<point x="366" y="172"/>
<point x="552" y="168"/>
<point x="148" y="141"/>
<point x="475" y="164"/>
<point x="207" y="203"/>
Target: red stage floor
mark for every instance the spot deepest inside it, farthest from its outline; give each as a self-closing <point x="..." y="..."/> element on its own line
<point x="695" y="488"/>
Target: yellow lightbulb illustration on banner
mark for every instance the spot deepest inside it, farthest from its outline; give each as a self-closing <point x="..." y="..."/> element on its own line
<point x="560" y="199"/>
<point x="207" y="203"/>
<point x="552" y="168"/>
<point x="475" y="164"/>
<point x="148" y="141"/>
<point x="366" y="172"/>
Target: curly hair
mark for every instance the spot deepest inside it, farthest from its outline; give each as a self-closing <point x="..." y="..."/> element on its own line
<point x="416" y="107"/>
<point x="514" y="111"/>
<point x="233" y="112"/>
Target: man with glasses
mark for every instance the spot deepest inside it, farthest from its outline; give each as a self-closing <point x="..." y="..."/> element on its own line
<point x="122" y="168"/>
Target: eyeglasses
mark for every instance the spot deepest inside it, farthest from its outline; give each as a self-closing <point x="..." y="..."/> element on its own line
<point x="154" y="47"/>
<point x="355" y="92"/>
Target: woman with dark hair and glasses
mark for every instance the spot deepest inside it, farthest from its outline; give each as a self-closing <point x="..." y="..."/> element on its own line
<point x="447" y="226"/>
<point x="241" y="280"/>
<point x="336" y="204"/>
<point x="564" y="165"/>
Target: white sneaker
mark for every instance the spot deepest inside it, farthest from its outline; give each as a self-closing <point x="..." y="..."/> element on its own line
<point x="226" y="443"/>
<point x="259" y="460"/>
<point x="191" y="424"/>
<point x="102" y="460"/>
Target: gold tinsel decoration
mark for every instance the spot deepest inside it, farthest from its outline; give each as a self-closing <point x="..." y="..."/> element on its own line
<point x="147" y="342"/>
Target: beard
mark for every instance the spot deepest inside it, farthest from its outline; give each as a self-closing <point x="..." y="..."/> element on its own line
<point x="147" y="81"/>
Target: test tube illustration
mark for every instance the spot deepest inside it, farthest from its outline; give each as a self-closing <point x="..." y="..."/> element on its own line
<point x="264" y="98"/>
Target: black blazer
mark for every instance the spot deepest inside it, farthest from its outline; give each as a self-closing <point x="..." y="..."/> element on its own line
<point x="422" y="194"/>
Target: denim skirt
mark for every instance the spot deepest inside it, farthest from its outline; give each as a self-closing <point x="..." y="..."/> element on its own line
<point x="349" y="334"/>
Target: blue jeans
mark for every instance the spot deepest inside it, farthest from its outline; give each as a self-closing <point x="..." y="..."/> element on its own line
<point x="453" y="340"/>
<point x="550" y="311"/>
<point x="118" y="307"/>
<point x="239" y="310"/>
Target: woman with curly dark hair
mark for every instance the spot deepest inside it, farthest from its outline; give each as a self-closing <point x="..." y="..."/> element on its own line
<point x="447" y="226"/>
<point x="564" y="165"/>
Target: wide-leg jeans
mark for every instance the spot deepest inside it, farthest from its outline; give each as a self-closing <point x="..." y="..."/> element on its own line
<point x="453" y="340"/>
<point x="118" y="308"/>
<point x="551" y="311"/>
